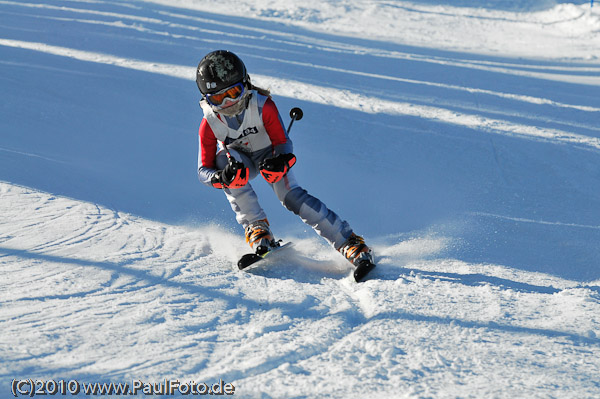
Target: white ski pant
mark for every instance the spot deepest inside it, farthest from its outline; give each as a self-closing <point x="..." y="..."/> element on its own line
<point x="311" y="210"/>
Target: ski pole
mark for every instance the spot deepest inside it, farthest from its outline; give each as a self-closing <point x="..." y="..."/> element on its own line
<point x="234" y="164"/>
<point x="296" y="114"/>
<point x="226" y="150"/>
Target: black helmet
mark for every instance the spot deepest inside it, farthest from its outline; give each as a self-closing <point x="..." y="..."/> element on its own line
<point x="219" y="70"/>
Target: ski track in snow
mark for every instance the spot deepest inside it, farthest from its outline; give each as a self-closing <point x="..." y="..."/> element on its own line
<point x="342" y="98"/>
<point x="347" y="99"/>
<point x="96" y="294"/>
<point x="140" y="300"/>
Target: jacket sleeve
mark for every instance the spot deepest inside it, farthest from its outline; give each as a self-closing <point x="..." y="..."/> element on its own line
<point x="275" y="129"/>
<point x="207" y="151"/>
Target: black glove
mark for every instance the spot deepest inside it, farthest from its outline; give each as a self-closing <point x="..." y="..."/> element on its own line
<point x="234" y="175"/>
<point x="273" y="169"/>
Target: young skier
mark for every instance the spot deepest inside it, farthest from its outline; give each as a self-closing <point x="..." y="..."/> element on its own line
<point x="242" y="135"/>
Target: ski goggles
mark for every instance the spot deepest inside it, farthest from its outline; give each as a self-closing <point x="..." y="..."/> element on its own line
<point x="233" y="93"/>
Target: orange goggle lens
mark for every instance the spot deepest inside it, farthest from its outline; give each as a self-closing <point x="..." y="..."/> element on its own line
<point x="233" y="93"/>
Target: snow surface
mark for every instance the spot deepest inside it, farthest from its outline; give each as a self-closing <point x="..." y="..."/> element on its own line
<point x="462" y="139"/>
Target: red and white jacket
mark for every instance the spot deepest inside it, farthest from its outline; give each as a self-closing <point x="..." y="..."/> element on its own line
<point x="258" y="127"/>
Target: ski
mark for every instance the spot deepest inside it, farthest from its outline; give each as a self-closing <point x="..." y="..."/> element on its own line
<point x="250" y="259"/>
<point x="363" y="268"/>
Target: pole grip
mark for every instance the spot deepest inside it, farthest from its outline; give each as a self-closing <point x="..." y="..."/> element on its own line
<point x="296" y="114"/>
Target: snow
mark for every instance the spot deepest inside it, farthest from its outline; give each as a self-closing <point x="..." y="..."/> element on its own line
<point x="460" y="138"/>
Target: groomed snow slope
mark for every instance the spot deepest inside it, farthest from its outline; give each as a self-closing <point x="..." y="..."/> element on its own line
<point x="461" y="140"/>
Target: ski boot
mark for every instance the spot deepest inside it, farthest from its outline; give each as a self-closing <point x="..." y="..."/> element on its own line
<point x="359" y="254"/>
<point x="259" y="236"/>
